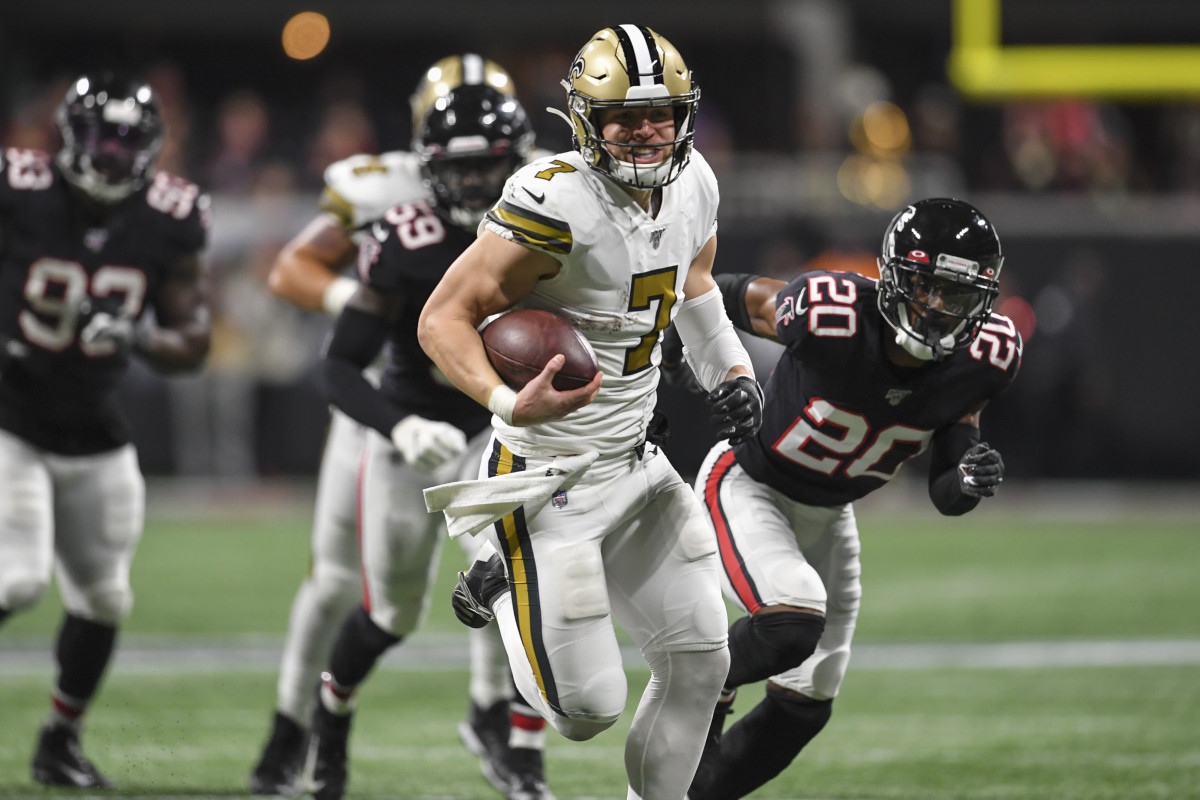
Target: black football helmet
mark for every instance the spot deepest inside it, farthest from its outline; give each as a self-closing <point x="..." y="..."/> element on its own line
<point x="450" y="72"/>
<point x="112" y="132"/>
<point x="939" y="274"/>
<point x="472" y="140"/>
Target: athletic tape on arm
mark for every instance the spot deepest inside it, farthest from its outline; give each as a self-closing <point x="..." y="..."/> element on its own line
<point x="710" y="343"/>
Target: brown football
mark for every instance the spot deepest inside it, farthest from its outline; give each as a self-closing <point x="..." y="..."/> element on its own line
<point x="520" y="343"/>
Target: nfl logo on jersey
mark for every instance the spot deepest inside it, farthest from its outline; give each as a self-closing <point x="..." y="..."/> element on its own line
<point x="559" y="499"/>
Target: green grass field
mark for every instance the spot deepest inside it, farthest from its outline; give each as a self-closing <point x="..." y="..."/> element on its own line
<point x="1095" y="732"/>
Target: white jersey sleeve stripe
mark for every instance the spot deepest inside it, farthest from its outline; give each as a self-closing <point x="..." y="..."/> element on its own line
<point x="536" y="230"/>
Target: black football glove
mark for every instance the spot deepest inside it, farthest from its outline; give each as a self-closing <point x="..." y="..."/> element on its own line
<point x="980" y="472"/>
<point x="737" y="408"/>
<point x="674" y="367"/>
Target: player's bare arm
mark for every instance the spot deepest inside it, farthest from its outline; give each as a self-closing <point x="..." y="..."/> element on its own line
<point x="311" y="263"/>
<point x="760" y="299"/>
<point x="972" y="417"/>
<point x="492" y="275"/>
<point x="180" y="340"/>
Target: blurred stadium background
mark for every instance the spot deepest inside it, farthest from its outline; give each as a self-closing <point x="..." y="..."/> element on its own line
<point x="1074" y="124"/>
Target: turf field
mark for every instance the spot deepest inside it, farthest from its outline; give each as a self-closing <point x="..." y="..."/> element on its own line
<point x="1112" y="722"/>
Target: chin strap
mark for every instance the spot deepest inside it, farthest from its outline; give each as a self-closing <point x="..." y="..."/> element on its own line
<point x="918" y="348"/>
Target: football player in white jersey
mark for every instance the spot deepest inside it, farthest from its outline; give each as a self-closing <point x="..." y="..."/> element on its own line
<point x="619" y="237"/>
<point x="309" y="274"/>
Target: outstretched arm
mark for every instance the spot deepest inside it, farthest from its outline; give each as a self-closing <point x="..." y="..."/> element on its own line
<point x="750" y="302"/>
<point x="360" y="332"/>
<point x="307" y="271"/>
<point x="358" y="336"/>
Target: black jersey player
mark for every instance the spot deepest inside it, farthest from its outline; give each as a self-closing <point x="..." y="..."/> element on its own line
<point x="98" y="261"/>
<point x="424" y="431"/>
<point x="872" y="374"/>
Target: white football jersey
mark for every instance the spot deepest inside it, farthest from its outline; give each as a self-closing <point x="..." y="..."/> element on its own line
<point x="621" y="283"/>
<point x="360" y="188"/>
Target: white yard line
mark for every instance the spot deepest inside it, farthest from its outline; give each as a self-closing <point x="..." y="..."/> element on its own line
<point x="156" y="655"/>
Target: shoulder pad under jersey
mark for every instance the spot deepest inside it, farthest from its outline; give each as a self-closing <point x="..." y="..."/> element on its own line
<point x="543" y="200"/>
<point x="22" y="171"/>
<point x="185" y="209"/>
<point x="360" y="188"/>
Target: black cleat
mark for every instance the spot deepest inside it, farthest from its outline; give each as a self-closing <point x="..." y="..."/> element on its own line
<point x="59" y="761"/>
<point x="476" y="589"/>
<point x="327" y="745"/>
<point x="485" y="733"/>
<point x="278" y="771"/>
<point x="528" y="775"/>
<point x="710" y="758"/>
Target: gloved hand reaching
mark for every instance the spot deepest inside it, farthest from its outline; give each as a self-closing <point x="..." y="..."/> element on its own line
<point x="737" y="408"/>
<point x="427" y="444"/>
<point x="980" y="472"/>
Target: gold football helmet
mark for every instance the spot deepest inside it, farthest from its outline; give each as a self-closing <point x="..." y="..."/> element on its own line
<point x="630" y="65"/>
<point x="449" y="73"/>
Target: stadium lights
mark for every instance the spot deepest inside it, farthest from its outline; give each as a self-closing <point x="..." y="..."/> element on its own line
<point x="305" y="35"/>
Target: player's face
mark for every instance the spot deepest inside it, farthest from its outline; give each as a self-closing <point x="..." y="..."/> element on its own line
<point x="639" y="135"/>
<point x="475" y="183"/>
<point x="943" y="297"/>
<point x="113" y="149"/>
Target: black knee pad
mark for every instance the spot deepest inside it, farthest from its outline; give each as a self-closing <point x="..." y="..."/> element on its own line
<point x="767" y="644"/>
<point x="358" y="646"/>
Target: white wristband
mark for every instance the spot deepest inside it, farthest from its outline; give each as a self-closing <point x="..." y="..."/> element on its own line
<point x="337" y="293"/>
<point x="502" y="402"/>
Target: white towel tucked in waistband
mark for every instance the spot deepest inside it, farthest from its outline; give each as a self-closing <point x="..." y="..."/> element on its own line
<point x="471" y="506"/>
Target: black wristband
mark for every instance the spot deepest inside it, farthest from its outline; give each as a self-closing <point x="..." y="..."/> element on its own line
<point x="733" y="292"/>
<point x="949" y="446"/>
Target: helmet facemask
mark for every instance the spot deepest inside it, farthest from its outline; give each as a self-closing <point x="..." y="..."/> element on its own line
<point x="111" y="138"/>
<point x="631" y="67"/>
<point x="939" y="274"/>
<point x="606" y="153"/>
<point x="472" y="140"/>
<point x="468" y="186"/>
<point x="926" y="327"/>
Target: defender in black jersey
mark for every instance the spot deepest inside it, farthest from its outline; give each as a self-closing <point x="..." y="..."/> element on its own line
<point x="99" y="259"/>
<point x="424" y="430"/>
<point x="308" y="273"/>
<point x="873" y="374"/>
